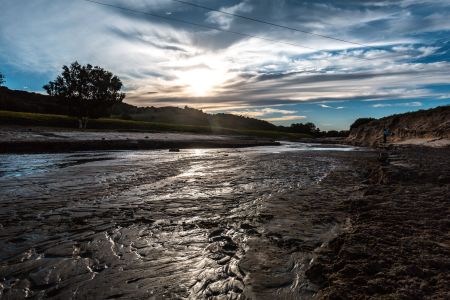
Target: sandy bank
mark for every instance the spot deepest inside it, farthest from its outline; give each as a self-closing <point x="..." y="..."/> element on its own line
<point x="37" y="140"/>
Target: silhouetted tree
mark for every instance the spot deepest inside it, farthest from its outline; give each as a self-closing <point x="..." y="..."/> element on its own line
<point x="308" y="128"/>
<point x="360" y="122"/>
<point x="334" y="133"/>
<point x="89" y="91"/>
<point x="2" y="79"/>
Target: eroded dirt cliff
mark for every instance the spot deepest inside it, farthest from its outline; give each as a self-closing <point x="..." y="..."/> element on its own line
<point x="427" y="125"/>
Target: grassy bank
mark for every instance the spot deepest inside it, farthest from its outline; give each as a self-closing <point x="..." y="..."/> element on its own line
<point x="61" y="121"/>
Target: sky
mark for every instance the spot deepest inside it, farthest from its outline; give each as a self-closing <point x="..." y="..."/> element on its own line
<point x="394" y="57"/>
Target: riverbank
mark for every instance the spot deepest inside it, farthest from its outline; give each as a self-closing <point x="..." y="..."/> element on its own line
<point x="397" y="242"/>
<point x="45" y="140"/>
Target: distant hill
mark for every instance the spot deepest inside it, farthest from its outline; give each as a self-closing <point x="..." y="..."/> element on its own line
<point x="22" y="101"/>
<point x="14" y="100"/>
<point x="188" y="116"/>
<point x="423" y="124"/>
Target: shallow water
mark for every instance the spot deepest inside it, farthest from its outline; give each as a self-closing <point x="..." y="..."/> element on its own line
<point x="140" y="224"/>
<point x="28" y="164"/>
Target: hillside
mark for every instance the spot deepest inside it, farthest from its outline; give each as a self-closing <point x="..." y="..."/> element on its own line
<point x="423" y="126"/>
<point x="22" y="101"/>
<point x="127" y="116"/>
<point x="188" y="116"/>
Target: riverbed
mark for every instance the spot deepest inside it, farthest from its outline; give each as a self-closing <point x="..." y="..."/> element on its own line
<point x="150" y="224"/>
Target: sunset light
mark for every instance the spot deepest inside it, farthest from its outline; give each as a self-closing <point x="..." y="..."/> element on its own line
<point x="201" y="82"/>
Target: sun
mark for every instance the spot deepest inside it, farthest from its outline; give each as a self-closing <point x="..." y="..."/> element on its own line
<point x="202" y="82"/>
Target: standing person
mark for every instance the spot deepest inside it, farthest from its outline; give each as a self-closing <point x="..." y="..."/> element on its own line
<point x="386" y="133"/>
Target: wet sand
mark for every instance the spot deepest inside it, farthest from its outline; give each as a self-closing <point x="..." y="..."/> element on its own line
<point x="289" y="222"/>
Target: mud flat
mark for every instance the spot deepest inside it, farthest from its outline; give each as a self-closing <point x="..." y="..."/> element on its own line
<point x="286" y="222"/>
<point x="44" y="140"/>
<point x="396" y="243"/>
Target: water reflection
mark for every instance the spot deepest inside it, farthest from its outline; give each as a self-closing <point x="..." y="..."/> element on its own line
<point x="29" y="164"/>
<point x="132" y="224"/>
<point x="23" y="165"/>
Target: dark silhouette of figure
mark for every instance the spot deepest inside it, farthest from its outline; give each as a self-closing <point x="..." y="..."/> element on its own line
<point x="386" y="133"/>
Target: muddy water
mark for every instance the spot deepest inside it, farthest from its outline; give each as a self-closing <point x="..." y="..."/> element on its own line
<point x="140" y="225"/>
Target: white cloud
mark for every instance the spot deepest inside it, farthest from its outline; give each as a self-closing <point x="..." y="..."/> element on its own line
<point x="328" y="106"/>
<point x="225" y="20"/>
<point x="445" y="96"/>
<point x="262" y="112"/>
<point x="285" y="118"/>
<point x="407" y="104"/>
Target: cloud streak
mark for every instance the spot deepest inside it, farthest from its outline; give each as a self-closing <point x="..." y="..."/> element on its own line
<point x="262" y="112"/>
<point x="407" y="104"/>
<point x="285" y="118"/>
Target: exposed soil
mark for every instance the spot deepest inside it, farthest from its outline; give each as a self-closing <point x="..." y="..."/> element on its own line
<point x="429" y="127"/>
<point x="397" y="243"/>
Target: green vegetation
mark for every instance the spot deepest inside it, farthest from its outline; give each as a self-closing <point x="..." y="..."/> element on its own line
<point x="48" y="120"/>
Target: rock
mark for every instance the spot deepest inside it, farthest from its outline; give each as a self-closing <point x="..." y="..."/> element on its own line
<point x="174" y="150"/>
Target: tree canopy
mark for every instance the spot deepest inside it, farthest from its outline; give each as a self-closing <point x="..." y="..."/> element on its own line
<point x="90" y="91"/>
<point x="2" y="79"/>
<point x="308" y="128"/>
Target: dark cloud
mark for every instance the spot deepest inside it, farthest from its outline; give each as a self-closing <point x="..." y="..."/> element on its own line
<point x="137" y="36"/>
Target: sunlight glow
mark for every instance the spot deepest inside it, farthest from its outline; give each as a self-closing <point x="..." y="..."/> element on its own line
<point x="202" y="82"/>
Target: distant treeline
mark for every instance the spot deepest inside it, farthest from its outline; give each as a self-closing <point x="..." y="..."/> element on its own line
<point x="21" y="101"/>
